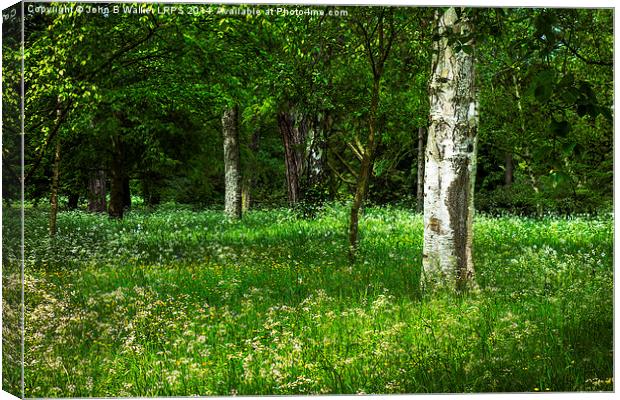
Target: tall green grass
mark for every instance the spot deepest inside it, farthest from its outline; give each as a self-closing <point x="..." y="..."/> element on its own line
<point x="191" y="303"/>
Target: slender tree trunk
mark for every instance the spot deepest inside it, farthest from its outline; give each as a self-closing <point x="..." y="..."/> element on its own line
<point x="365" y="169"/>
<point x="250" y="175"/>
<point x="450" y="159"/>
<point x="508" y="169"/>
<point x="232" y="176"/>
<point x="150" y="192"/>
<point x="54" y="189"/>
<point x="293" y="128"/>
<point x="533" y="178"/>
<point x="377" y="59"/>
<point x="536" y="187"/>
<point x="117" y="180"/>
<point x="246" y="195"/>
<point x="420" y="183"/>
<point x="145" y="187"/>
<point x="97" y="191"/>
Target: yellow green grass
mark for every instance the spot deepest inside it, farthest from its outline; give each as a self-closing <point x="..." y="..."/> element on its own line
<point x="177" y="302"/>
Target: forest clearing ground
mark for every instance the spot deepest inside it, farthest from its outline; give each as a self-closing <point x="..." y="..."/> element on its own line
<point x="178" y="302"/>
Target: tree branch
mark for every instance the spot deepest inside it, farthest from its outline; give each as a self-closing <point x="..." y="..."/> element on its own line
<point x="48" y="140"/>
<point x="358" y="151"/>
<point x="339" y="175"/>
<point x="346" y="164"/>
<point x="65" y="110"/>
<point x="582" y="58"/>
<point x="368" y="46"/>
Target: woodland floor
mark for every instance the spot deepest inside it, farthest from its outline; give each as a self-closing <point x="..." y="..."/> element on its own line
<point x="177" y="302"/>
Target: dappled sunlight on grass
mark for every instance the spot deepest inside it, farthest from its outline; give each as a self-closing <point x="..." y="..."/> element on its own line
<point x="182" y="303"/>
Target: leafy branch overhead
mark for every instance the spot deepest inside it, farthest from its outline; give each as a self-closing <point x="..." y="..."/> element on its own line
<point x="161" y="82"/>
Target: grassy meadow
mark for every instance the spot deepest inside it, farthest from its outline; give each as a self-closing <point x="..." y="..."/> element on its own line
<point x="181" y="302"/>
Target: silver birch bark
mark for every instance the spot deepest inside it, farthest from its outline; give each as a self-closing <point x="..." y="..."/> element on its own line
<point x="450" y="158"/>
<point x="97" y="191"/>
<point x="232" y="177"/>
<point x="420" y="182"/>
<point x="314" y="150"/>
<point x="294" y="130"/>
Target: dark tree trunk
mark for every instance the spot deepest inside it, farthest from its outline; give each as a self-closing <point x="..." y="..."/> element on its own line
<point x="97" y="192"/>
<point x="126" y="193"/>
<point x="250" y="176"/>
<point x="420" y="181"/>
<point x="509" y="168"/>
<point x="117" y="180"/>
<point x="293" y="129"/>
<point x="151" y="197"/>
<point x="73" y="202"/>
<point x="54" y="189"/>
<point x="232" y="178"/>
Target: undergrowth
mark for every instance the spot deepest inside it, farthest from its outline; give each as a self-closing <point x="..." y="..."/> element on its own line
<point x="179" y="302"/>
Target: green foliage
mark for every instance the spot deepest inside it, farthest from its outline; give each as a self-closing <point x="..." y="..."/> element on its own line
<point x="159" y="82"/>
<point x="11" y="107"/>
<point x="11" y="190"/>
<point x="548" y="82"/>
<point x="176" y="302"/>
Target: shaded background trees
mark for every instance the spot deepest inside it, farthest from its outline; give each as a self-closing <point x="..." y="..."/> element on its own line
<point x="134" y="105"/>
<point x="548" y="81"/>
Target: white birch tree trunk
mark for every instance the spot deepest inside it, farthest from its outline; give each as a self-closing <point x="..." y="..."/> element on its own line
<point x="420" y="183"/>
<point x="232" y="176"/>
<point x="450" y="157"/>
